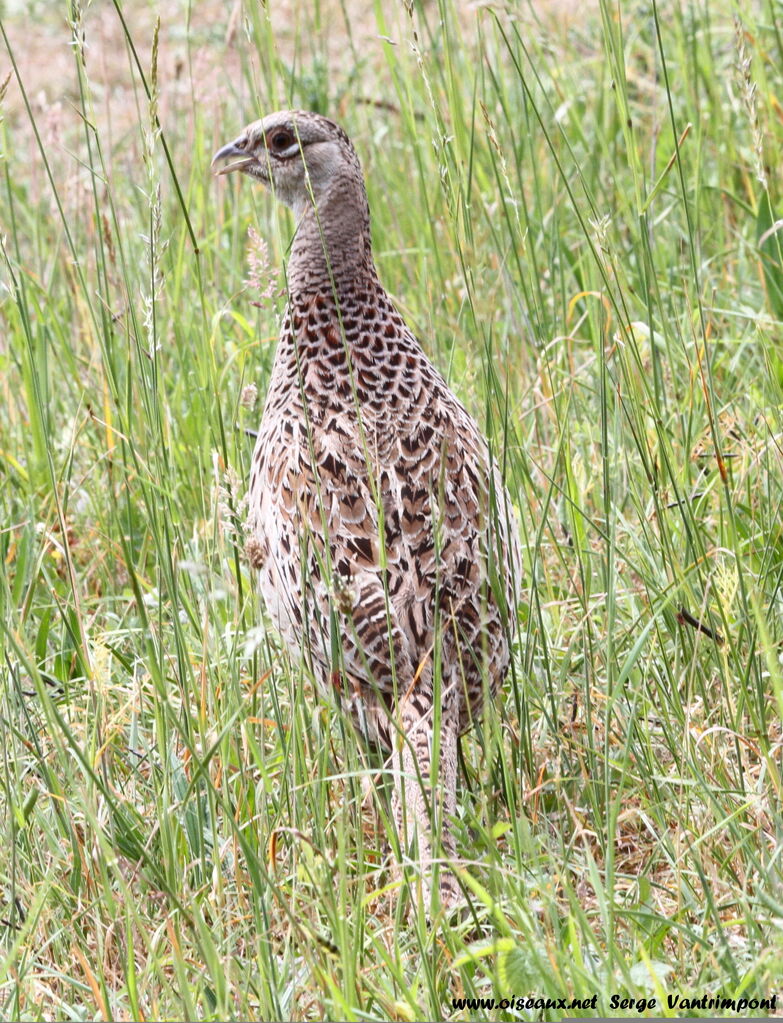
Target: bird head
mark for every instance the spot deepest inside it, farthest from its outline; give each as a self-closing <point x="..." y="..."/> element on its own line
<point x="300" y="155"/>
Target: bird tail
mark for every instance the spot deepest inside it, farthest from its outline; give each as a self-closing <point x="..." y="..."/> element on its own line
<point x="425" y="789"/>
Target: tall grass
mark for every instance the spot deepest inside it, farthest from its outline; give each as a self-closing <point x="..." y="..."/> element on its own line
<point x="580" y="220"/>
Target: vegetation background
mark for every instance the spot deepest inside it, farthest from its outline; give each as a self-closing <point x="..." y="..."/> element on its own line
<point x="576" y="207"/>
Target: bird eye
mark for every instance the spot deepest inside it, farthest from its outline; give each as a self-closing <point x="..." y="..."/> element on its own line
<point x="280" y="141"/>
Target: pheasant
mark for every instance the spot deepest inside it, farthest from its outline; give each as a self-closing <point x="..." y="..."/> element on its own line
<point x="385" y="539"/>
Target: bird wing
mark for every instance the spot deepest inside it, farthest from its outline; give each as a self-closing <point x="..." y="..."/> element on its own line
<point x="327" y="590"/>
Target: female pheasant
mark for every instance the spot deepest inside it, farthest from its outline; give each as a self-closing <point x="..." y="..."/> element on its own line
<point x="385" y="538"/>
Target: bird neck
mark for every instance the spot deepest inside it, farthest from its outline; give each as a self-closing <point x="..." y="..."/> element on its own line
<point x="331" y="250"/>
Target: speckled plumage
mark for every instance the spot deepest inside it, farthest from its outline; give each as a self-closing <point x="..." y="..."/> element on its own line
<point x="376" y="520"/>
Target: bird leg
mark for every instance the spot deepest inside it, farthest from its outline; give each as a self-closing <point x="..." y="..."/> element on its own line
<point x="425" y="794"/>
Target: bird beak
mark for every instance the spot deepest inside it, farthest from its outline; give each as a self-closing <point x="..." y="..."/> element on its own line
<point x="226" y="153"/>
